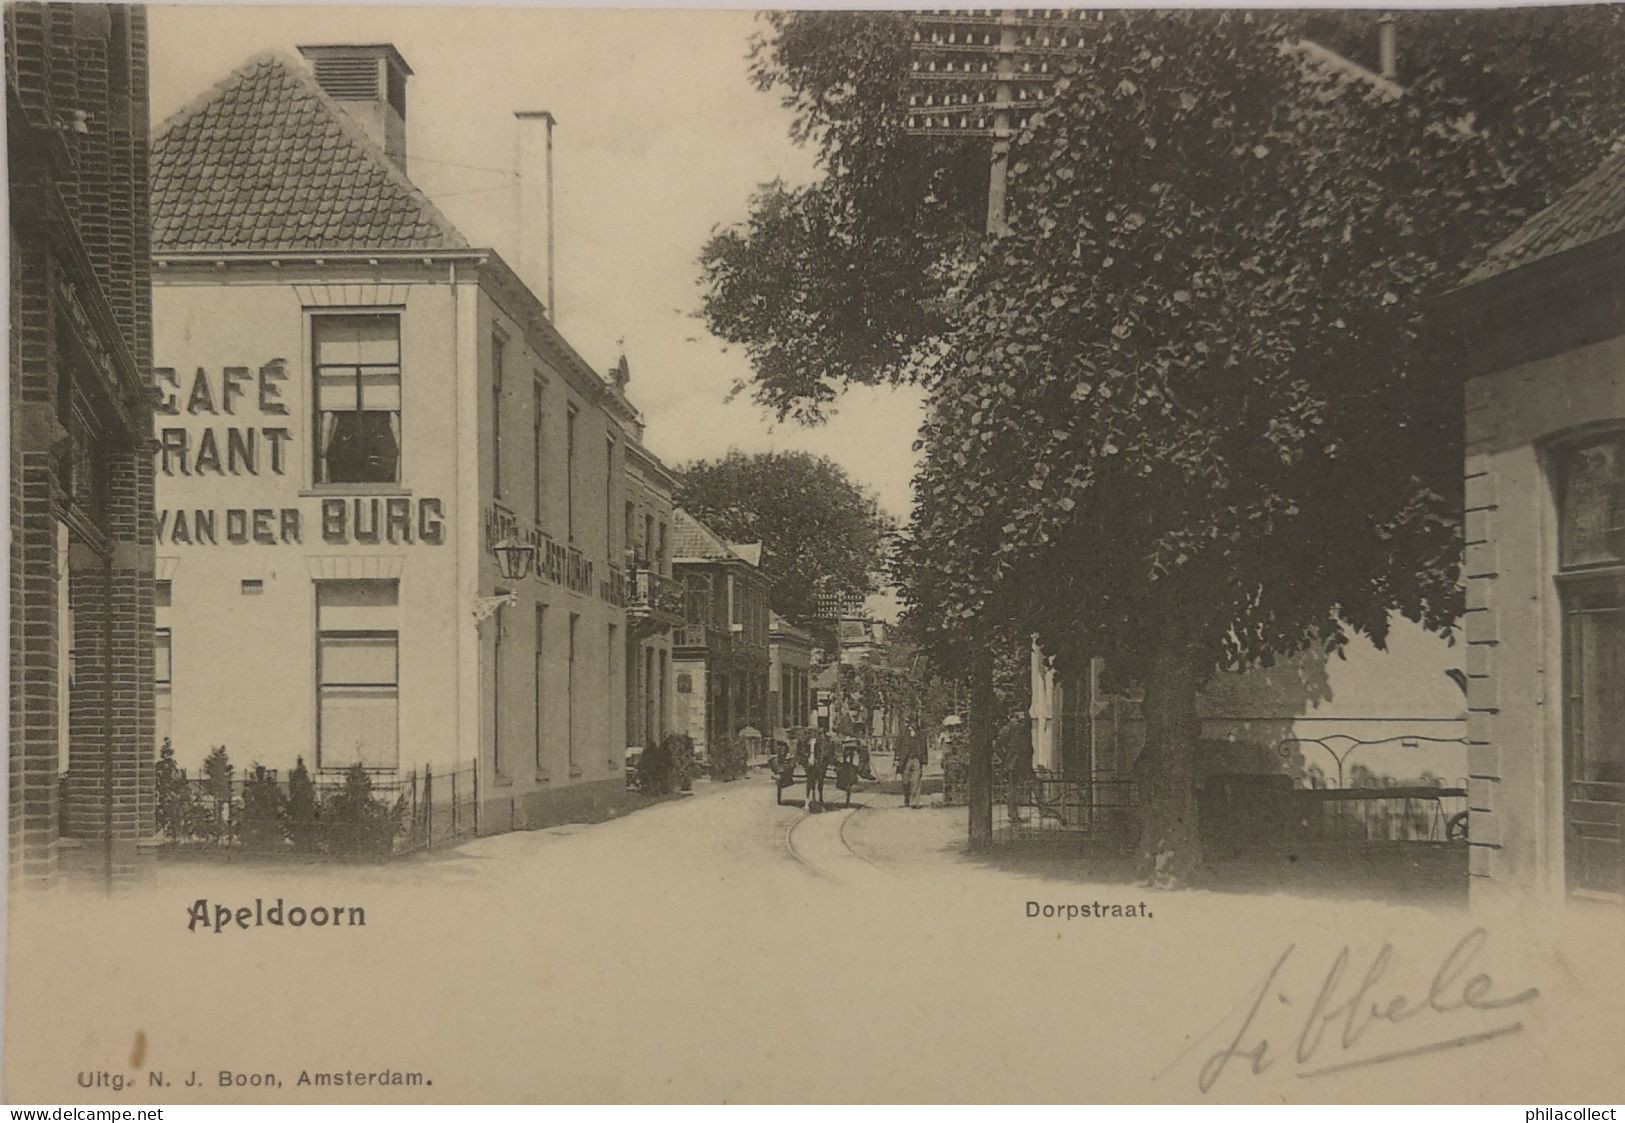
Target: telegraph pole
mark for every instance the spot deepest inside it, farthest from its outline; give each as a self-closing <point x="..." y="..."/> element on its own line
<point x="982" y="74"/>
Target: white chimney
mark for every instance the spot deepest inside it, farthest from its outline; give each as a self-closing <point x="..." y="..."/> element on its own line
<point x="1387" y="49"/>
<point x="534" y="157"/>
<point x="368" y="80"/>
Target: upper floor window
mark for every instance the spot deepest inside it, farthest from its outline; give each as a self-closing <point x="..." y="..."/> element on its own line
<point x="1591" y="491"/>
<point x="609" y="500"/>
<point x="536" y="450"/>
<point x="698" y="598"/>
<point x="570" y="472"/>
<point x="498" y="346"/>
<point x="357" y="363"/>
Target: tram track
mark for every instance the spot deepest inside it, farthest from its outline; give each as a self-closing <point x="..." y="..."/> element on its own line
<point x="818" y="842"/>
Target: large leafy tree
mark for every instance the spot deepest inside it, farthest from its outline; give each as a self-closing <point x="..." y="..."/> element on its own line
<point x="848" y="280"/>
<point x="821" y="532"/>
<point x="1189" y="421"/>
<point x="1183" y="415"/>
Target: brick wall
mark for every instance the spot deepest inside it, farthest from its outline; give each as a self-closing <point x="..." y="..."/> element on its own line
<point x="80" y="343"/>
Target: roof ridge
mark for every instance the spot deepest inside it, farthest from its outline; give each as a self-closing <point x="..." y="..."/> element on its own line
<point x="356" y="133"/>
<point x="204" y="99"/>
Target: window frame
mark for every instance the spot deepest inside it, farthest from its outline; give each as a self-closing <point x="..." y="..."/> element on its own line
<point x="317" y="459"/>
<point x="1592" y="587"/>
<point x="572" y="413"/>
<point x="499" y="348"/>
<point x="538" y="444"/>
<point x="393" y="687"/>
<point x="167" y="638"/>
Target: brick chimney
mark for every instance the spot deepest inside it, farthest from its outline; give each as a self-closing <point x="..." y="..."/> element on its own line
<point x="1387" y="48"/>
<point x="369" y="81"/>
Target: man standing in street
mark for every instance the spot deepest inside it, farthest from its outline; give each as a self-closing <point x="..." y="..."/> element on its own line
<point x="911" y="761"/>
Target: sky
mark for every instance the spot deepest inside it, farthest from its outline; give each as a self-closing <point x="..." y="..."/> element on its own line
<point x="660" y="138"/>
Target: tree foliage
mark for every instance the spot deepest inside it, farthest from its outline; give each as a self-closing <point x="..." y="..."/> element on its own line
<point x="820" y="531"/>
<point x="848" y="280"/>
<point x="1184" y="415"/>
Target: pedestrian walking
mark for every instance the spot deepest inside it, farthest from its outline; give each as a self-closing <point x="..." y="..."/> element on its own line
<point x="911" y="754"/>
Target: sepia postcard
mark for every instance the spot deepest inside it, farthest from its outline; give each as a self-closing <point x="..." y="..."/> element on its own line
<point x="823" y="556"/>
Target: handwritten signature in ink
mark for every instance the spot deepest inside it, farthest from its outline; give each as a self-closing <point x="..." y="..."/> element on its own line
<point x="1327" y="1035"/>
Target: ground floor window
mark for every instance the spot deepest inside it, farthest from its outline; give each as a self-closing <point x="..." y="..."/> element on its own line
<point x="163" y="651"/>
<point x="538" y="672"/>
<point x="1590" y="487"/>
<point x="612" y="700"/>
<point x="1594" y="731"/>
<point x="660" y="697"/>
<point x="496" y="692"/>
<point x="570" y="692"/>
<point x="357" y="674"/>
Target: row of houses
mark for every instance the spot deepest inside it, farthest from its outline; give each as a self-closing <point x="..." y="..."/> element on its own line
<point x="380" y="511"/>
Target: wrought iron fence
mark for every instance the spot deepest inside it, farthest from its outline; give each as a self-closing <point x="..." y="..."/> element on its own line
<point x="1055" y="806"/>
<point x="1362" y="815"/>
<point x="319" y="816"/>
<point x="1237" y="812"/>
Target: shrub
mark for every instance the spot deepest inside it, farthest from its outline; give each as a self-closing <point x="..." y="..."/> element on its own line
<point x="654" y="770"/>
<point x="302" y="809"/>
<point x="358" y="824"/>
<point x="217" y="777"/>
<point x="680" y="751"/>
<point x="264" y="812"/>
<point x="728" y="758"/>
<point x="177" y="810"/>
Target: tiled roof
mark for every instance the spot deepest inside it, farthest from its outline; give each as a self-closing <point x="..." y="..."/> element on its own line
<point x="694" y="541"/>
<point x="1589" y="211"/>
<point x="267" y="161"/>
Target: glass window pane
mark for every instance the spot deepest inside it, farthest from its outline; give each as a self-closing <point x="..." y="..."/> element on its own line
<point x="335" y="390"/>
<point x="349" y="658"/>
<point x="359" y="725"/>
<point x="1599" y="674"/>
<point x="162" y="653"/>
<point x="356" y="339"/>
<point x="1592" y="527"/>
<point x="381" y="389"/>
<point x="361" y="448"/>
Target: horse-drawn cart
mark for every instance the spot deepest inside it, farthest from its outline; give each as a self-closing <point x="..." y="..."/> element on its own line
<point x="806" y="767"/>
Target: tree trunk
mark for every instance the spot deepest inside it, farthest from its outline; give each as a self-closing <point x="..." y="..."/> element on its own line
<point x="1170" y="844"/>
<point x="979" y="778"/>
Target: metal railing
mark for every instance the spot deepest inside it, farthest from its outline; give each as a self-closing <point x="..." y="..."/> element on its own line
<point x="323" y="817"/>
<point x="656" y="593"/>
<point x="1361" y="815"/>
<point x="1102" y="809"/>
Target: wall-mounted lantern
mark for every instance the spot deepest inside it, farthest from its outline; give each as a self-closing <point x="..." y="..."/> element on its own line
<point x="514" y="559"/>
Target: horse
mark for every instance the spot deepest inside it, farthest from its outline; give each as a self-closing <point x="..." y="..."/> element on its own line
<point x="824" y="753"/>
